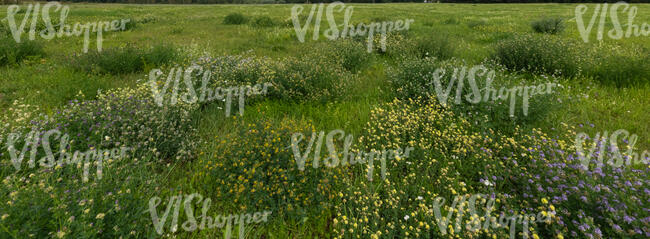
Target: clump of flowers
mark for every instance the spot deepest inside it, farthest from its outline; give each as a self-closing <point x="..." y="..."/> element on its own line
<point x="598" y="201"/>
<point x="450" y="159"/>
<point x="307" y="78"/>
<point x="254" y="169"/>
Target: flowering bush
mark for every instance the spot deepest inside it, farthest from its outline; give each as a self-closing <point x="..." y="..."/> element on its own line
<point x="550" y="25"/>
<point x="414" y="78"/>
<point x="309" y="78"/>
<point x="541" y="54"/>
<point x="593" y="202"/>
<point x="107" y="207"/>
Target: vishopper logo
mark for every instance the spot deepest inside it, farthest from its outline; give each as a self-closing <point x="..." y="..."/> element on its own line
<point x="33" y="11"/>
<point x="33" y="140"/>
<point x="600" y="149"/>
<point x="348" y="30"/>
<point x="206" y="221"/>
<point x="485" y="222"/>
<point x="206" y="94"/>
<point x="490" y="94"/>
<point x="333" y="160"/>
<point x="617" y="32"/>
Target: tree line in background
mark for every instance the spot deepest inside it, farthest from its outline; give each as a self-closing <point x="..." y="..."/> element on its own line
<point x="353" y="1"/>
<point x="328" y="1"/>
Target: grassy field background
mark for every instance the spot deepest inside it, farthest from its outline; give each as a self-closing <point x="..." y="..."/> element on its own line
<point x="473" y="31"/>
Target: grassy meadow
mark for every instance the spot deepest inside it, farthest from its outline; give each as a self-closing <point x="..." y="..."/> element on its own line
<point x="245" y="163"/>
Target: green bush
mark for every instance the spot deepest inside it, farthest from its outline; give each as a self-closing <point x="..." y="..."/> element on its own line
<point x="307" y="78"/>
<point x="550" y="25"/>
<point x="410" y="78"/>
<point x="124" y="60"/>
<point x="235" y="19"/>
<point x="438" y="46"/>
<point x="132" y="24"/>
<point x="351" y="55"/>
<point x="541" y="54"/>
<point x="398" y="46"/>
<point x="14" y="53"/>
<point x="264" y="21"/>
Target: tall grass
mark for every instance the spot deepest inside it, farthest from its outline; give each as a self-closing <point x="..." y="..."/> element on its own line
<point x="12" y="53"/>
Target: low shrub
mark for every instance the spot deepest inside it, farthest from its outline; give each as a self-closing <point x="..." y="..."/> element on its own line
<point x="237" y="70"/>
<point x="264" y="21"/>
<point x="541" y="54"/>
<point x="398" y="46"/>
<point x="133" y="23"/>
<point x="146" y="19"/>
<point x="13" y="53"/>
<point x="235" y="19"/>
<point x="351" y="55"/>
<point x="550" y="25"/>
<point x="414" y="79"/>
<point x="438" y="46"/>
<point x="309" y="79"/>
<point x="124" y="60"/>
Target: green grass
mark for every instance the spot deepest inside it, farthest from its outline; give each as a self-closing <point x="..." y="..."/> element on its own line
<point x="471" y="33"/>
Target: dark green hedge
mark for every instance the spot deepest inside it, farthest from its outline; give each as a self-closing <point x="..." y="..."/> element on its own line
<point x="348" y="1"/>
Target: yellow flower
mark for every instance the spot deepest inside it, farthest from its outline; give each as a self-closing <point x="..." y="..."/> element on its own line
<point x="559" y="236"/>
<point x="544" y="201"/>
<point x="60" y="234"/>
<point x="552" y="208"/>
<point x="100" y="216"/>
<point x="535" y="236"/>
<point x="5" y="216"/>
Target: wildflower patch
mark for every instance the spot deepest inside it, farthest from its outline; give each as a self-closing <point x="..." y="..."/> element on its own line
<point x="349" y="157"/>
<point x="33" y="140"/>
